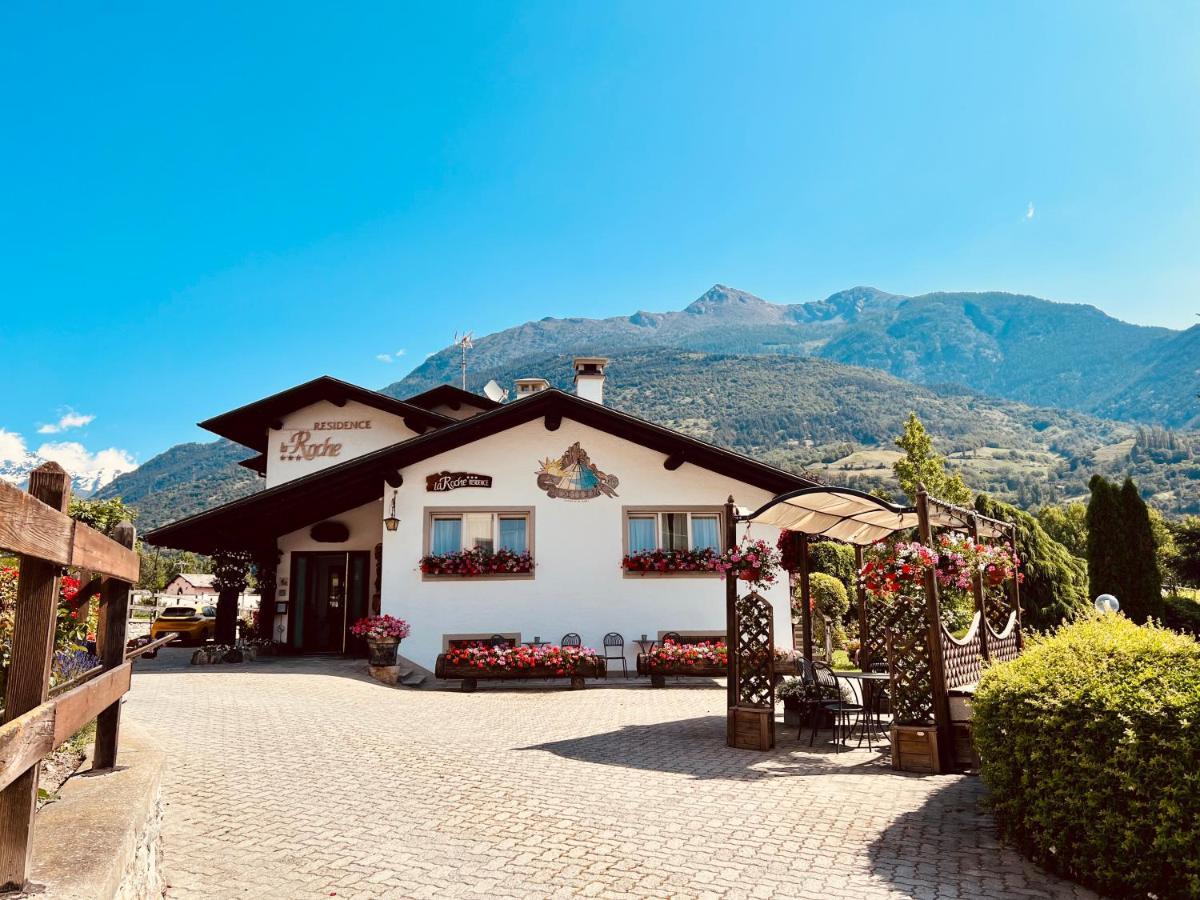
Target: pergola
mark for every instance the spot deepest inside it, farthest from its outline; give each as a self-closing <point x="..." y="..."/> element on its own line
<point x="918" y="649"/>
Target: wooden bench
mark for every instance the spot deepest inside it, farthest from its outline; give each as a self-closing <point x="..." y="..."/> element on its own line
<point x="471" y="676"/>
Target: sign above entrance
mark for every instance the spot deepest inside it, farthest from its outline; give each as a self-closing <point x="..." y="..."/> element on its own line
<point x="441" y="482"/>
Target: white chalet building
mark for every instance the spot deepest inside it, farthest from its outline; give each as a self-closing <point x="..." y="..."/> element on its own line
<point x="573" y="483"/>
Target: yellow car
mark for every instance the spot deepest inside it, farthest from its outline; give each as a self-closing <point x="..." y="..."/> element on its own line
<point x="193" y="624"/>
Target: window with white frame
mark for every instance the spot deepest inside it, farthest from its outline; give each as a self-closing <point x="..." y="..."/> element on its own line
<point x="451" y="531"/>
<point x="672" y="529"/>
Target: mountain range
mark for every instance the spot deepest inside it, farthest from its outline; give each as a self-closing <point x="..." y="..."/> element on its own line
<point x="84" y="483"/>
<point x="1012" y="346"/>
<point x="1029" y="397"/>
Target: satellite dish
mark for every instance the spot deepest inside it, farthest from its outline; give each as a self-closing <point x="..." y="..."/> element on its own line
<point x="493" y="391"/>
<point x="1107" y="603"/>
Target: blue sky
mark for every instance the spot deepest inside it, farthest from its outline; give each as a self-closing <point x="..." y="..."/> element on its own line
<point x="204" y="204"/>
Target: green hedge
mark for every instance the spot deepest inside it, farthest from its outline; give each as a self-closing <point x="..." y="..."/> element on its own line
<point x="1182" y="614"/>
<point x="1090" y="744"/>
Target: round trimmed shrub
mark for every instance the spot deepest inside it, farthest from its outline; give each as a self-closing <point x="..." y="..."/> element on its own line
<point x="1090" y="748"/>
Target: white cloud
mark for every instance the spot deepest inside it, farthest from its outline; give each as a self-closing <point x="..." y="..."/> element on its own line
<point x="12" y="447"/>
<point x="81" y="462"/>
<point x="70" y="419"/>
<point x="1029" y="210"/>
<point x="400" y="352"/>
<point x="384" y="357"/>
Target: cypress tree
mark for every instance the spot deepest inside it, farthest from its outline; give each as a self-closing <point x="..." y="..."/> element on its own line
<point x="1142" y="576"/>
<point x="1105" y="541"/>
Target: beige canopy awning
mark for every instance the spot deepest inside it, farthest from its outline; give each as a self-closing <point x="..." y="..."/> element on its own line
<point x="857" y="517"/>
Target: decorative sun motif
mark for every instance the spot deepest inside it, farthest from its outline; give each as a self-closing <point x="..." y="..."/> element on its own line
<point x="573" y="476"/>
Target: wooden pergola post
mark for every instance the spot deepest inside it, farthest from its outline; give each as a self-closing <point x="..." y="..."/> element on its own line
<point x="805" y="598"/>
<point x="933" y="622"/>
<point x="864" y="627"/>
<point x="977" y="590"/>
<point x="28" y="682"/>
<point x="1014" y="592"/>
<point x="731" y="608"/>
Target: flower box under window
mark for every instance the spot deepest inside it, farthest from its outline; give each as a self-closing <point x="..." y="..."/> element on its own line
<point x="672" y="541"/>
<point x="473" y="543"/>
<point x="664" y="562"/>
<point x="477" y="563"/>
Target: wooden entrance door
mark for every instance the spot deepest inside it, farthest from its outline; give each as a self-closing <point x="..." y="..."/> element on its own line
<point x="319" y="602"/>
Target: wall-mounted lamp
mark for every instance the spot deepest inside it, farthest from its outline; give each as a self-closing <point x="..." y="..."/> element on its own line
<point x="390" y="522"/>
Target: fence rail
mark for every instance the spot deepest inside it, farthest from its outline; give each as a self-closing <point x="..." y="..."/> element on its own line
<point x="36" y="720"/>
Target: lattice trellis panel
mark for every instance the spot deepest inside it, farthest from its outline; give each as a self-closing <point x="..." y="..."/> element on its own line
<point x="907" y="641"/>
<point x="880" y="617"/>
<point x="1003" y="645"/>
<point x="962" y="661"/>
<point x="755" y="651"/>
<point x="999" y="606"/>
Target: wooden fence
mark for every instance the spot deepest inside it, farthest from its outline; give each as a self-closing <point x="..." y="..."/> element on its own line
<point x="35" y="526"/>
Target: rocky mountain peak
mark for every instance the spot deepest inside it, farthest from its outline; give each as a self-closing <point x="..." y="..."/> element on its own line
<point x="721" y="298"/>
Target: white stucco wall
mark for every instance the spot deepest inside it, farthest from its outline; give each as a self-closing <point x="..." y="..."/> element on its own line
<point x="318" y="424"/>
<point x="578" y="584"/>
<point x="365" y="524"/>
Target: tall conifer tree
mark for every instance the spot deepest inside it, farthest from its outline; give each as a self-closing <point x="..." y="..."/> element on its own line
<point x="1142" y="575"/>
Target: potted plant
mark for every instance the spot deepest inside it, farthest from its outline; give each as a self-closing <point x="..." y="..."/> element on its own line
<point x="383" y="635"/>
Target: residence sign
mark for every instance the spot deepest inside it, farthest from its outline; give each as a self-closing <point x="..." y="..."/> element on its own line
<point x="301" y="444"/>
<point x="441" y="482"/>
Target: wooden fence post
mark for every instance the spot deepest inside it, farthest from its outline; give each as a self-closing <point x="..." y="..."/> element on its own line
<point x="29" y="676"/>
<point x="114" y="612"/>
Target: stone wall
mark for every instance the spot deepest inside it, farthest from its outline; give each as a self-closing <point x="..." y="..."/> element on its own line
<point x="103" y="838"/>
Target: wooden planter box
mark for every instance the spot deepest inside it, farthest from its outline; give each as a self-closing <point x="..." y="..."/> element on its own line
<point x="660" y="674"/>
<point x="471" y="676"/>
<point x="750" y="728"/>
<point x="915" y="749"/>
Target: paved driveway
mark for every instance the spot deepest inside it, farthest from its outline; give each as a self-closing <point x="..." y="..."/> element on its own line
<point x="303" y="778"/>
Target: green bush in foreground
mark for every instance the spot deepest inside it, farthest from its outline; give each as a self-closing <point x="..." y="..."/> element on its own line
<point x="1182" y="614"/>
<point x="1090" y="744"/>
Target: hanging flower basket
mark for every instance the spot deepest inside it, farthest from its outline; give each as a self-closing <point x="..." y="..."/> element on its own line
<point x="754" y="561"/>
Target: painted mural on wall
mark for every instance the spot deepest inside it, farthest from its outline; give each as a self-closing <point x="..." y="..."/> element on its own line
<point x="573" y="476"/>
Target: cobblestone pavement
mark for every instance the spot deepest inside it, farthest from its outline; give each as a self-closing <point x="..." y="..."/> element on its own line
<point x="303" y="778"/>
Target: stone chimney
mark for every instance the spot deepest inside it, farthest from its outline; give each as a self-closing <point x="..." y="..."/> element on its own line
<point x="527" y="386"/>
<point x="589" y="378"/>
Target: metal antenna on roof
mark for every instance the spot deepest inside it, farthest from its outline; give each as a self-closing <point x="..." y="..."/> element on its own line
<point x="466" y="342"/>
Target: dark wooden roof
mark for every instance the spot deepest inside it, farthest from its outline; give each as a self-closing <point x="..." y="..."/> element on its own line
<point x="245" y="523"/>
<point x="451" y="396"/>
<point x="247" y="425"/>
<point x="255" y="464"/>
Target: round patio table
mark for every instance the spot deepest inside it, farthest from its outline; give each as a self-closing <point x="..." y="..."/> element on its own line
<point x="870" y="696"/>
<point x="535" y="644"/>
<point x="646" y="646"/>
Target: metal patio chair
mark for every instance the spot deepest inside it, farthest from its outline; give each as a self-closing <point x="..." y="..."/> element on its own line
<point x="614" y="641"/>
<point x="831" y="700"/>
<point x="571" y="639"/>
<point x="672" y="636"/>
